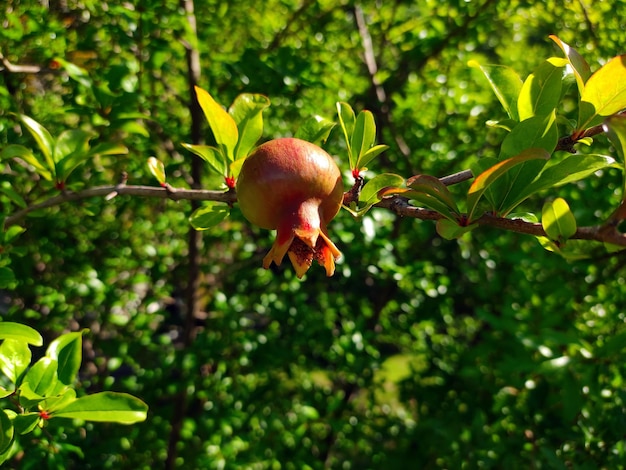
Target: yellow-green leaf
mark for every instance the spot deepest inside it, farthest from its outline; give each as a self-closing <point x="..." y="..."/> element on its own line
<point x="557" y="220"/>
<point x="222" y="124"/>
<point x="157" y="169"/>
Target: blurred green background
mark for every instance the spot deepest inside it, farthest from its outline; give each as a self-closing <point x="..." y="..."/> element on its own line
<point x="483" y="352"/>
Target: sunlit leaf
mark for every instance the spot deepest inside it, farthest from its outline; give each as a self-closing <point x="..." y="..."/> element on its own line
<point x="6" y="432"/>
<point x="315" y="129"/>
<point x="212" y="155"/>
<point x="505" y="83"/>
<point x="579" y="65"/>
<point x="487" y="178"/>
<point x="363" y="136"/>
<point x="15" y="358"/>
<point x="535" y="132"/>
<point x="20" y="332"/>
<point x="75" y="72"/>
<point x="157" y="169"/>
<point x="247" y="111"/>
<point x="105" y="407"/>
<point x="368" y="156"/>
<point x="19" y="151"/>
<point x="43" y="138"/>
<point x="26" y="422"/>
<point x="222" y="125"/>
<point x="615" y="127"/>
<point x="67" y="350"/>
<point x="541" y="92"/>
<point x="433" y="187"/>
<point x="347" y="120"/>
<point x="369" y="193"/>
<point x="42" y="376"/>
<point x="604" y="93"/>
<point x="209" y="215"/>
<point x="557" y="220"/>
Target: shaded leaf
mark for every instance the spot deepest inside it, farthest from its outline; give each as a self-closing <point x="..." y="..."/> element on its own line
<point x="75" y="72"/>
<point x="222" y="125"/>
<point x="432" y="186"/>
<point x="105" y="407"/>
<point x="450" y="230"/>
<point x="505" y="83"/>
<point x="604" y="93"/>
<point x="247" y="111"/>
<point x="7" y="189"/>
<point x="579" y="65"/>
<point x="20" y="332"/>
<point x="26" y="422"/>
<point x="209" y="215"/>
<point x="315" y="129"/>
<point x="615" y="127"/>
<point x="7" y="277"/>
<point x="557" y="220"/>
<point x="7" y="432"/>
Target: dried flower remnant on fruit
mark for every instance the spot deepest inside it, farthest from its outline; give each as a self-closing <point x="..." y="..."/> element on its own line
<point x="294" y="187"/>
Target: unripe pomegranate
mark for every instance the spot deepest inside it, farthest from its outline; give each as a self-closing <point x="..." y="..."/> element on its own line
<point x="294" y="187"/>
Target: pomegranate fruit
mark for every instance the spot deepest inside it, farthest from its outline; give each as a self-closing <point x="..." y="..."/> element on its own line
<point x="294" y="187"/>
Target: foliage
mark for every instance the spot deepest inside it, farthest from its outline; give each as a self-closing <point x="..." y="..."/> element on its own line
<point x="474" y="348"/>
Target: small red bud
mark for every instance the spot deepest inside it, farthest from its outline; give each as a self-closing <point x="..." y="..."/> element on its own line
<point x="43" y="414"/>
<point x="60" y="185"/>
<point x="356" y="173"/>
<point x="230" y="182"/>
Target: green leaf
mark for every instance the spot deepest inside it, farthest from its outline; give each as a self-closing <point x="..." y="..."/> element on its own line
<point x="19" y="332"/>
<point x="15" y="358"/>
<point x="450" y="230"/>
<point x="7" y="189"/>
<point x="505" y="83"/>
<point x="42" y="376"/>
<point x="363" y="136"/>
<point x="222" y="125"/>
<point x="105" y="407"/>
<point x="484" y="180"/>
<point x="209" y="215"/>
<point x="347" y="120"/>
<point x="19" y="151"/>
<point x="7" y="432"/>
<point x="157" y="169"/>
<point x="67" y="350"/>
<point x="75" y="72"/>
<point x="579" y="65"/>
<point x="43" y="138"/>
<point x="26" y="422"/>
<point x="7" y="278"/>
<point x="541" y="92"/>
<point x="60" y="401"/>
<point x="315" y="129"/>
<point x="368" y="156"/>
<point x="604" y="94"/>
<point x="247" y="110"/>
<point x="557" y="220"/>
<point x="369" y="193"/>
<point x="212" y="155"/>
<point x="615" y="127"/>
<point x="108" y="148"/>
<point x="71" y="141"/>
<point x="13" y="232"/>
<point x="535" y="132"/>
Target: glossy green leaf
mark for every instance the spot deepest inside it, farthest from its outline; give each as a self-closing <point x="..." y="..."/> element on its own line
<point x="363" y="136"/>
<point x="75" y="72"/>
<point x="105" y="407"/>
<point x="535" y="132"/>
<point x="157" y="169"/>
<point x="235" y="167"/>
<point x="42" y="376"/>
<point x="60" y="401"/>
<point x="7" y="189"/>
<point x="579" y="65"/>
<point x="70" y="142"/>
<point x="368" y="156"/>
<point x="369" y="193"/>
<point x="433" y="187"/>
<point x="604" y="93"/>
<point x="450" y="230"/>
<point x="7" y="432"/>
<point x="541" y="92"/>
<point x="484" y="180"/>
<point x="315" y="129"/>
<point x="212" y="155"/>
<point x="615" y="127"/>
<point x="505" y="83"/>
<point x="20" y="332"/>
<point x="44" y="140"/>
<point x="347" y="120"/>
<point x="424" y="199"/>
<point x="222" y="125"/>
<point x="67" y="350"/>
<point x="23" y="153"/>
<point x="247" y="111"/>
<point x="15" y="358"/>
<point x="108" y="148"/>
<point x="209" y="215"/>
<point x="557" y="220"/>
<point x="26" y="422"/>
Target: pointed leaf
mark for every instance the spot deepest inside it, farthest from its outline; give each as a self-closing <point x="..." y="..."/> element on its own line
<point x="615" y="127"/>
<point x="369" y="193"/>
<point x="108" y="148"/>
<point x="212" y="155"/>
<point x="505" y="83"/>
<point x="26" y="422"/>
<point x="15" y="358"/>
<point x="363" y="136"/>
<point x="60" y="401"/>
<point x="541" y="92"/>
<point x="209" y="215"/>
<point x="579" y="65"/>
<point x="71" y="141"/>
<point x="535" y="132"/>
<point x="19" y="332"/>
<point x="7" y="189"/>
<point x="347" y="120"/>
<point x="604" y="93"/>
<point x="42" y="137"/>
<point x="557" y="220"/>
<point x="157" y="169"/>
<point x="235" y="167"/>
<point x="432" y="186"/>
<point x="6" y="432"/>
<point x="42" y="376"/>
<point x="75" y="72"/>
<point x="222" y="125"/>
<point x="247" y="110"/>
<point x="423" y="199"/>
<point x="368" y="156"/>
<point x="315" y="129"/>
<point x="105" y="407"/>
<point x="487" y="178"/>
<point x="19" y="151"/>
<point x="67" y="350"/>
